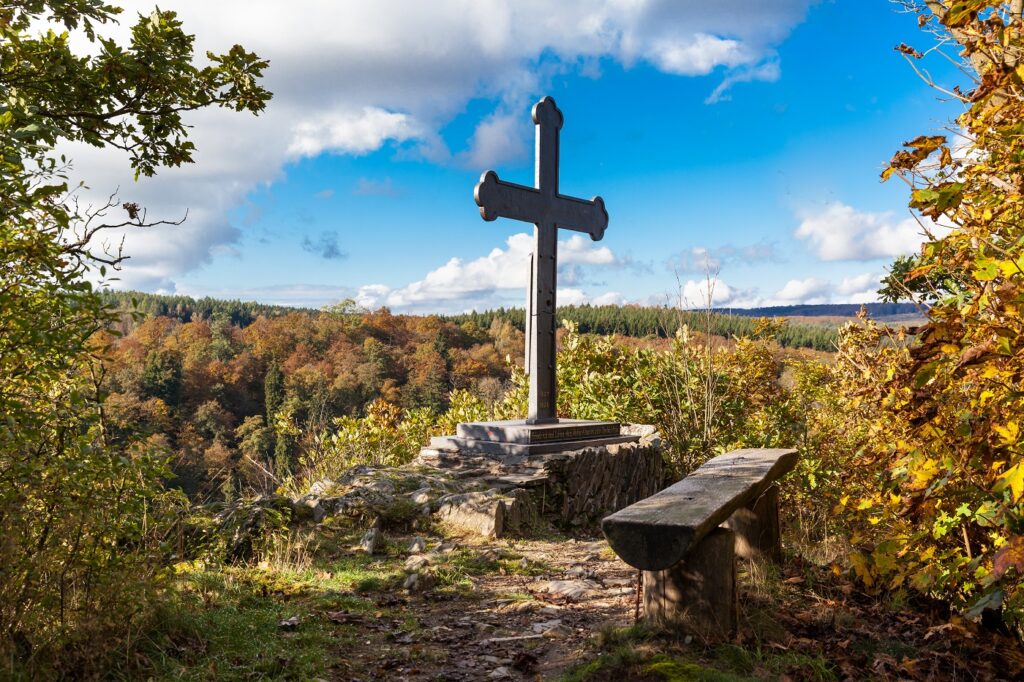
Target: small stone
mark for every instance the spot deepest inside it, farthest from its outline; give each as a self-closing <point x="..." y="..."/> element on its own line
<point x="568" y="589"/>
<point x="500" y="674"/>
<point x="489" y="555"/>
<point x="491" y="659"/>
<point x="418" y="582"/>
<point x="416" y="562"/>
<point x="578" y="571"/>
<point x="541" y="628"/>
<point x="320" y="487"/>
<point x="421" y="497"/>
<point x="557" y="632"/>
<point x="550" y="611"/>
<point x="370" y="541"/>
<point x="289" y="623"/>
<point x="417" y="546"/>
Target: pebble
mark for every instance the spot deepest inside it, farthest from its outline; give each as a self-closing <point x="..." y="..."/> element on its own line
<point x="370" y="541"/>
<point x="541" y="628"/>
<point x="417" y="546"/>
<point x="500" y="674"/>
<point x="416" y="582"/>
<point x="416" y="562"/>
<point x="557" y="632"/>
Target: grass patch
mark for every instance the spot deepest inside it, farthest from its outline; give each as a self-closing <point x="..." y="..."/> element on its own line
<point x="625" y="663"/>
<point x="750" y="661"/>
<point x="217" y="627"/>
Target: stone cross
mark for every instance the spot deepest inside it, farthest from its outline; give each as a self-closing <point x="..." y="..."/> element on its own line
<point x="547" y="210"/>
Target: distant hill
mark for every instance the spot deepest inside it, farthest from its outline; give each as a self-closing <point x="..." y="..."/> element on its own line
<point x="810" y="326"/>
<point x="876" y="310"/>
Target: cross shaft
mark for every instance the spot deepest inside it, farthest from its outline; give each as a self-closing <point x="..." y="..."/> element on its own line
<point x="548" y="210"/>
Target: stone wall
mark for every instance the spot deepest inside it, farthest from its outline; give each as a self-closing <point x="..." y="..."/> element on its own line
<point x="586" y="485"/>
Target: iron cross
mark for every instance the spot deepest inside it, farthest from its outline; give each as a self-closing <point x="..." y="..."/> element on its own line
<point x="547" y="210"/>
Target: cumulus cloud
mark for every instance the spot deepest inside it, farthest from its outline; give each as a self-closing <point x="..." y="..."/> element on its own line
<point x="609" y="298"/>
<point x="350" y="78"/>
<point x="698" y="293"/>
<point x="324" y="245"/>
<point x="488" y="281"/>
<point x="352" y="133"/>
<point x="809" y="291"/>
<point x="840" y="232"/>
<point x="498" y="139"/>
<point x="860" y="288"/>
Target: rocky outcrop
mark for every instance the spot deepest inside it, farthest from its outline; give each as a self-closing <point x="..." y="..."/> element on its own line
<point x="494" y="495"/>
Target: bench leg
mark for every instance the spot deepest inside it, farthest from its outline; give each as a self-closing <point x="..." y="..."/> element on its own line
<point x="757" y="528"/>
<point x="697" y="595"/>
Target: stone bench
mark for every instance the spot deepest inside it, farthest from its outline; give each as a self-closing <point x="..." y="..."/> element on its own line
<point x="686" y="538"/>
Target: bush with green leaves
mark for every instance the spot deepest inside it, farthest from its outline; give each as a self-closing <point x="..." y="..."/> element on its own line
<point x="85" y="517"/>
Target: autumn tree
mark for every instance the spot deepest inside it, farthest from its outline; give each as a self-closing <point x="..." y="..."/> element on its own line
<point x="944" y="486"/>
<point x="80" y="550"/>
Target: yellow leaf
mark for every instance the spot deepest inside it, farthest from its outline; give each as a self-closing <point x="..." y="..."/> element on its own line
<point x="862" y="568"/>
<point x="1012" y="478"/>
<point x="864" y="504"/>
<point x="843" y="500"/>
<point x="1009" y="432"/>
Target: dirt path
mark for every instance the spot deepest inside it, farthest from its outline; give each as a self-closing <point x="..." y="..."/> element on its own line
<point x="500" y="626"/>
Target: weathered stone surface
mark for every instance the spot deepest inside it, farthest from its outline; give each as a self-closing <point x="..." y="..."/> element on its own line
<point x="416" y="562"/>
<point x="657" y="532"/>
<point x="363" y="493"/>
<point x="417" y="546"/>
<point x="697" y="595"/>
<point x="593" y="482"/>
<point x="370" y="542"/>
<point x="479" y="512"/>
<point x="574" y="487"/>
<point x="571" y="590"/>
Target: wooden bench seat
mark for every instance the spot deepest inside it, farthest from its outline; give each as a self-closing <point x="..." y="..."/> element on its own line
<point x="686" y="537"/>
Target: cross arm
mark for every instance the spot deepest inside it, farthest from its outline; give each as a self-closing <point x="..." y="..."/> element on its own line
<point x="499" y="199"/>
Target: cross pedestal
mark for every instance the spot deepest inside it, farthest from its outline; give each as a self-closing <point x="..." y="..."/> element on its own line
<point x="542" y="431"/>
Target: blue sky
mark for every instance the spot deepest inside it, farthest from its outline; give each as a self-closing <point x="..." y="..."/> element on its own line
<point x="748" y="137"/>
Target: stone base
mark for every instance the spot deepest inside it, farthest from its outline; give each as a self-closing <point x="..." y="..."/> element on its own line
<point x="517" y="437"/>
<point x="568" y="483"/>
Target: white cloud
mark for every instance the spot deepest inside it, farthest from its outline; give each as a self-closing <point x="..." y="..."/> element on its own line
<point x="697" y="57"/>
<point x="768" y="72"/>
<point x="840" y="232"/>
<point x="487" y="281"/>
<point x="807" y="291"/>
<point x="609" y="298"/>
<point x="858" y="288"/>
<point x="352" y="133"/>
<point x="351" y="77"/>
<point x="497" y="139"/>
